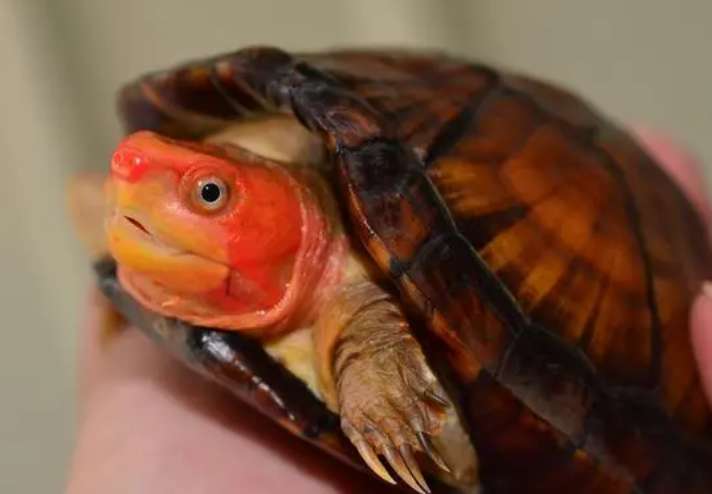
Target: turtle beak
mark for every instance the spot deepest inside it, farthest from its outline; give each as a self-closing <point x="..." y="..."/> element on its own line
<point x="134" y="240"/>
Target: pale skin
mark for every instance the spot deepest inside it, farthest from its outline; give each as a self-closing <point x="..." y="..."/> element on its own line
<point x="146" y="425"/>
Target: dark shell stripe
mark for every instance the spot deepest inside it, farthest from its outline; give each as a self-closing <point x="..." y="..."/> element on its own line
<point x="607" y="295"/>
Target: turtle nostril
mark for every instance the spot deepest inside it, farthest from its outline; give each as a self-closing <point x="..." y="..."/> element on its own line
<point x="127" y="165"/>
<point x="137" y="224"/>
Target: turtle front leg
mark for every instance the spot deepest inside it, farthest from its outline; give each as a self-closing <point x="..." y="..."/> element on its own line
<point x="374" y="374"/>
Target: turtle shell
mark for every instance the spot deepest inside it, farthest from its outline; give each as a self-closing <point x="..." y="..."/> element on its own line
<point x="551" y="257"/>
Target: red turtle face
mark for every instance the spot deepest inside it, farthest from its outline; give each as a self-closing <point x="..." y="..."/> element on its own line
<point x="195" y="229"/>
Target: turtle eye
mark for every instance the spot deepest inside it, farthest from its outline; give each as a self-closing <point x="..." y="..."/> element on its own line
<point x="210" y="194"/>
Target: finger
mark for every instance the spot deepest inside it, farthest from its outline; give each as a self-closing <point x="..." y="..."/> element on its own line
<point x="702" y="335"/>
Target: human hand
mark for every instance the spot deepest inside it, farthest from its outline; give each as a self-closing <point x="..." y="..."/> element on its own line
<point x="146" y="424"/>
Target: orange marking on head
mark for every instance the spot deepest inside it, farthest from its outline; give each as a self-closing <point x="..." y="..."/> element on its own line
<point x="255" y="231"/>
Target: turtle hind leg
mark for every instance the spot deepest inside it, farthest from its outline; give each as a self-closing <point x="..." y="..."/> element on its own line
<point x="375" y="374"/>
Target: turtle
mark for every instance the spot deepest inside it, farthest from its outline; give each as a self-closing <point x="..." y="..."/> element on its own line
<point x="416" y="260"/>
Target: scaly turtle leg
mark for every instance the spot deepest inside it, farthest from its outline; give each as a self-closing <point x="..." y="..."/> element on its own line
<point x="374" y="373"/>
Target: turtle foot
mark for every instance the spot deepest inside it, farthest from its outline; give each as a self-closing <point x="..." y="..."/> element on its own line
<point x="391" y="404"/>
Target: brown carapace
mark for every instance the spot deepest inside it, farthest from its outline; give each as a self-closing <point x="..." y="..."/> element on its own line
<point x="551" y="258"/>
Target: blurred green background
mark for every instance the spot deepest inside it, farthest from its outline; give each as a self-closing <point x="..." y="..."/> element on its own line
<point x="641" y="61"/>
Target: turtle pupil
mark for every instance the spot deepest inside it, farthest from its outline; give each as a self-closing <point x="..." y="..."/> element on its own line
<point x="210" y="192"/>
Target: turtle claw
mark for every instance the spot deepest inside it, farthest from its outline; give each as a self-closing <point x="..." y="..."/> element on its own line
<point x="407" y="470"/>
<point x="437" y="398"/>
<point x="412" y="464"/>
<point x="432" y="453"/>
<point x="393" y="427"/>
<point x="372" y="460"/>
<point x="391" y="403"/>
<point x="401" y="458"/>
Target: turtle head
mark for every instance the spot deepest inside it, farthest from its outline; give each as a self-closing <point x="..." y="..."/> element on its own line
<point x="199" y="230"/>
